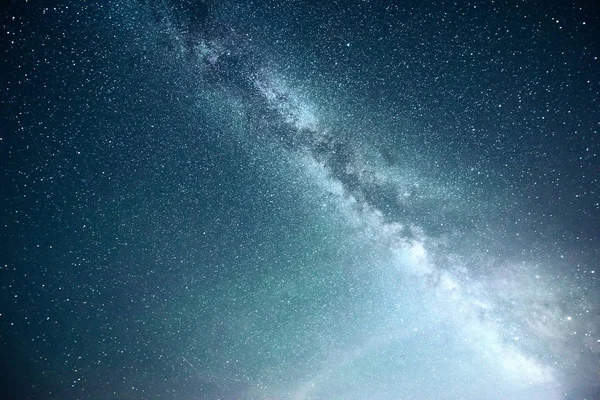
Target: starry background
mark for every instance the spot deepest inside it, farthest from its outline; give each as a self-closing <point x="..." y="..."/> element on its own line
<point x="300" y="200"/>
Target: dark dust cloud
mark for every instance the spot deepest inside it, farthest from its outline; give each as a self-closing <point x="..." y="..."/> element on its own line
<point x="300" y="200"/>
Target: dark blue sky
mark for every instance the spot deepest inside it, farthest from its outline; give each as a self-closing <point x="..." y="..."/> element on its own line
<point x="356" y="199"/>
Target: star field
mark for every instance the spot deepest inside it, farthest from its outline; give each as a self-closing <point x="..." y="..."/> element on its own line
<point x="299" y="200"/>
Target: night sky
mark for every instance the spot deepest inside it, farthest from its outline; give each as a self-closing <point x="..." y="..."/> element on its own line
<point x="293" y="199"/>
